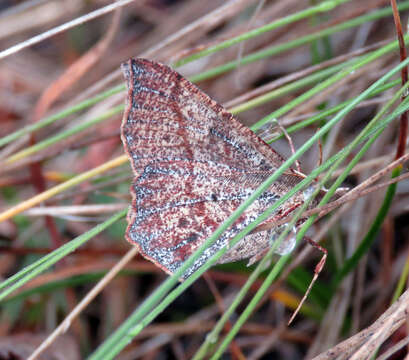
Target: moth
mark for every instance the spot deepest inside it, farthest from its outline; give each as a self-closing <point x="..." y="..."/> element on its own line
<point x="194" y="164"/>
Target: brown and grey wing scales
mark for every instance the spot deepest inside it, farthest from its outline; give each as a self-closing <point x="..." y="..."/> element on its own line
<point x="194" y="165"/>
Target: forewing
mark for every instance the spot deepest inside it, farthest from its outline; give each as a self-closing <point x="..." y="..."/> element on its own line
<point x="194" y="165"/>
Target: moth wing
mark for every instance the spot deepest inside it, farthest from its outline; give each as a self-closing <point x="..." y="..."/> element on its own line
<point x="194" y="165"/>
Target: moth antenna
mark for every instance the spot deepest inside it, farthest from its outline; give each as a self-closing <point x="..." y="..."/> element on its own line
<point x="290" y="141"/>
<point x="317" y="271"/>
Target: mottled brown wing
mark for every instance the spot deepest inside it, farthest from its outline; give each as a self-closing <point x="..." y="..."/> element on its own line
<point x="194" y="165"/>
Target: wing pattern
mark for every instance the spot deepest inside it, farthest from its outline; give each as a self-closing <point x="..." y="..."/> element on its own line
<point x="194" y="165"/>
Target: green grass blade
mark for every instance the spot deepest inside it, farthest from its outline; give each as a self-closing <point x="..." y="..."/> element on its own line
<point x="63" y="135"/>
<point x="60" y="115"/>
<point x="323" y="7"/>
<point x="47" y="261"/>
<point x="277" y="49"/>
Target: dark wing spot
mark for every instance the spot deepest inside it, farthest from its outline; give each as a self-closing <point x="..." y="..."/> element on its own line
<point x="192" y="237"/>
<point x="178" y="76"/>
<point x="182" y="222"/>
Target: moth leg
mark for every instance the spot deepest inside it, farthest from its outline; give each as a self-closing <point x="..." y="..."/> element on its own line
<point x="317" y="271"/>
<point x="320" y="152"/>
<point x="257" y="257"/>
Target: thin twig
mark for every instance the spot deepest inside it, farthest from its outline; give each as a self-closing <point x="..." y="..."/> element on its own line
<point x="58" y="29"/>
<point x="390" y="320"/>
<point x="63" y="327"/>
<point x="403" y="130"/>
<point x="302" y="73"/>
<point x="355" y="193"/>
<point x="75" y="209"/>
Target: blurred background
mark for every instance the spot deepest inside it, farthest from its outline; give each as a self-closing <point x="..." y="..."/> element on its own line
<point x="61" y="105"/>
